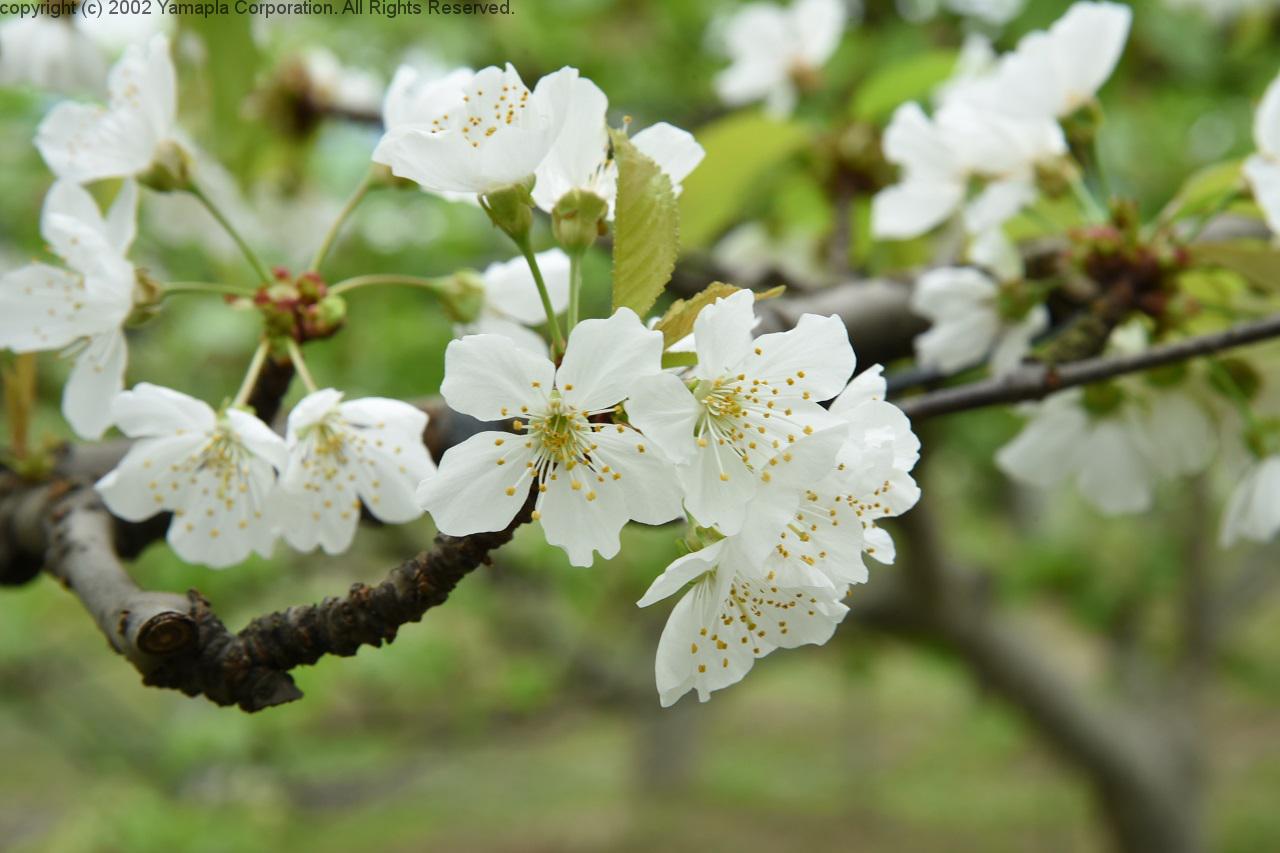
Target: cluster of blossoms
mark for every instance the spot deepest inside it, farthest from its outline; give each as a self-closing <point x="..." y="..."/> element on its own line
<point x="995" y="136"/>
<point x="783" y="494"/>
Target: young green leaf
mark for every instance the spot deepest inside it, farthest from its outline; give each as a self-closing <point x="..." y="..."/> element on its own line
<point x="646" y="228"/>
<point x="680" y="317"/>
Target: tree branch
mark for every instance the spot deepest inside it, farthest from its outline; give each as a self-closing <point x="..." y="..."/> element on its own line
<point x="1034" y="382"/>
<point x="250" y="669"/>
<point x="1142" y="765"/>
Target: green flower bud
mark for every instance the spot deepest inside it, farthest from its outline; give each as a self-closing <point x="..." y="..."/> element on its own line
<point x="462" y="296"/>
<point x="331" y="312"/>
<point x="578" y="219"/>
<point x="511" y="209"/>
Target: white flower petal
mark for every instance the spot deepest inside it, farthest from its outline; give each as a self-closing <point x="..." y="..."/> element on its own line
<point x="1114" y="475"/>
<point x="471" y="492"/>
<point x="648" y="483"/>
<point x="579" y="153"/>
<point x="44" y="308"/>
<point x="814" y="357"/>
<point x="675" y="151"/>
<point x="603" y="358"/>
<point x="666" y="412"/>
<point x="490" y="378"/>
<point x="913" y="207"/>
<point x="509" y="289"/>
<point x="688" y="659"/>
<point x="688" y="568"/>
<point x="1253" y="510"/>
<point x="152" y="410"/>
<point x="582" y="515"/>
<point x="1263" y="175"/>
<point x="722" y="333"/>
<point x="717" y="487"/>
<point x="257" y="437"/>
<point x="95" y="380"/>
<point x="86" y="143"/>
<point x="866" y="386"/>
<point x="1049" y="447"/>
<point x="149" y="461"/>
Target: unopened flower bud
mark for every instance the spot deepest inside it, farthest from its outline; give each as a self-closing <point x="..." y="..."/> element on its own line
<point x="511" y="209"/>
<point x="462" y="296"/>
<point x="311" y="287"/>
<point x="325" y="317"/>
<point x="578" y="219"/>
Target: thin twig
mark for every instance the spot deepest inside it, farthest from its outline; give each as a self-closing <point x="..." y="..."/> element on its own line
<point x="1033" y="382"/>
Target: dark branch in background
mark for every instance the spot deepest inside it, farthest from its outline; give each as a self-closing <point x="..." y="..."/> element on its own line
<point x="270" y="388"/>
<point x="1034" y="382"/>
<point x="1139" y="758"/>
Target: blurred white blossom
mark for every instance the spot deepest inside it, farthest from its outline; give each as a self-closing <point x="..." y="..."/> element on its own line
<point x="772" y="49"/>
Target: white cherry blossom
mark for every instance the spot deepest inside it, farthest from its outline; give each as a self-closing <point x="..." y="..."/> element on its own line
<point x="1253" y="510"/>
<point x="730" y="616"/>
<point x="479" y="136"/>
<point x="86" y="142"/>
<point x="511" y="304"/>
<point x="963" y="306"/>
<point x="1117" y="456"/>
<point x="49" y="54"/>
<point x="579" y="159"/>
<point x="591" y="476"/>
<point x="939" y="158"/>
<point x="1053" y="73"/>
<point x="344" y="454"/>
<point x="742" y="404"/>
<point x="214" y="472"/>
<point x="84" y="308"/>
<point x="336" y="85"/>
<point x="1262" y="169"/>
<point x="771" y="47"/>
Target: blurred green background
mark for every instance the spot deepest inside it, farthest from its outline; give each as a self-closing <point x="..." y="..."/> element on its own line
<point x="522" y="716"/>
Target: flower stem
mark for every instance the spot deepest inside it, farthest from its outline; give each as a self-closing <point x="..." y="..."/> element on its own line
<point x="434" y="284"/>
<point x="251" y="375"/>
<point x="19" y="398"/>
<point x="557" y="339"/>
<point x="575" y="288"/>
<point x="300" y="364"/>
<point x="179" y="287"/>
<point x="259" y="269"/>
<point x="366" y="183"/>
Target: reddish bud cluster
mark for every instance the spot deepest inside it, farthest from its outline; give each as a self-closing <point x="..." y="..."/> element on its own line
<point x="299" y="308"/>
